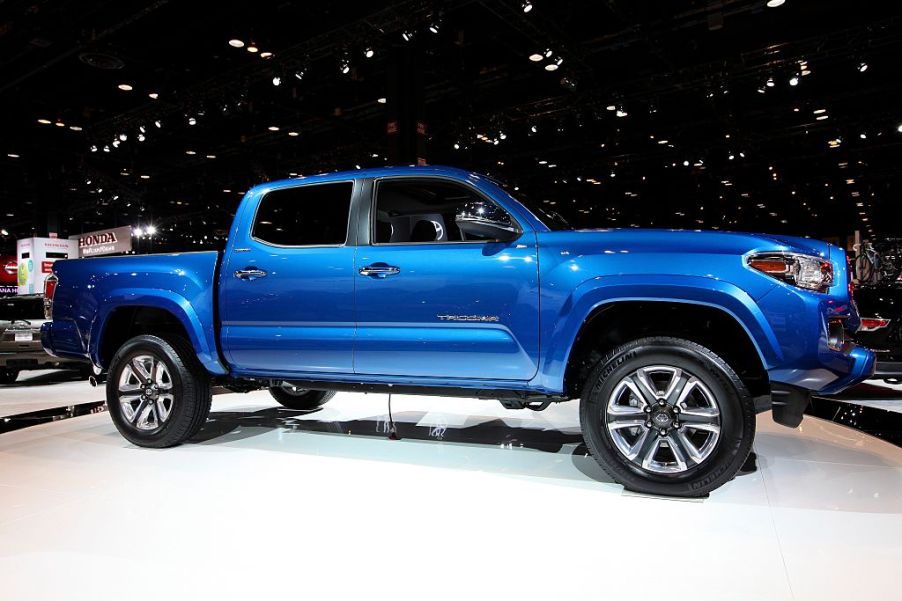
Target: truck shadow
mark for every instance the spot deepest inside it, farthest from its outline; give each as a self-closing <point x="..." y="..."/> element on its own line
<point x="501" y="444"/>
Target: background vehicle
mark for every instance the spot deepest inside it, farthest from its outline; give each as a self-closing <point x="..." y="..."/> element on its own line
<point x="21" y="318"/>
<point x="880" y="307"/>
<point x="435" y="279"/>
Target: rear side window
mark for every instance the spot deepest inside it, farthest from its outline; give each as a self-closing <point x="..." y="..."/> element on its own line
<point x="309" y="215"/>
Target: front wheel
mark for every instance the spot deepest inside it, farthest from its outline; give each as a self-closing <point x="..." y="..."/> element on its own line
<point x="158" y="393"/>
<point x="293" y="397"/>
<point x="667" y="416"/>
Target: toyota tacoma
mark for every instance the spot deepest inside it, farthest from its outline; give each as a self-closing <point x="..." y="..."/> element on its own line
<point x="437" y="280"/>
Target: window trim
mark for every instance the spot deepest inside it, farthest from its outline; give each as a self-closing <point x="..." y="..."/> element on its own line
<point x="476" y="191"/>
<point x="354" y="188"/>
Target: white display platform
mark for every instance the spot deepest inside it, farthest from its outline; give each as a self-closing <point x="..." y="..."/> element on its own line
<point x="273" y="503"/>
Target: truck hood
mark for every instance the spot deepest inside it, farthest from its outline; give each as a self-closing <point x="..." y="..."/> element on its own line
<point x="698" y="241"/>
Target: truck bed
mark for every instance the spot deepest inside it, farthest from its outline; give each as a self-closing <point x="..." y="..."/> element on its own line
<point x="89" y="289"/>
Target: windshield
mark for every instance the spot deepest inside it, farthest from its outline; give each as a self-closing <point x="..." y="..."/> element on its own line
<point x="554" y="220"/>
<point x="28" y="308"/>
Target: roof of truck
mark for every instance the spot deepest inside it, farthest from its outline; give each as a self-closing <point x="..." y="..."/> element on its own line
<point x="439" y="170"/>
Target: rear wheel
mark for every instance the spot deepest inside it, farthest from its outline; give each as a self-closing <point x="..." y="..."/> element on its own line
<point x="8" y="376"/>
<point x="293" y="397"/>
<point x="667" y="416"/>
<point x="158" y="393"/>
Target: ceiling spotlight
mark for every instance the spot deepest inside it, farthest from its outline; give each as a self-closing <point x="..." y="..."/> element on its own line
<point x="116" y="143"/>
<point x="123" y="137"/>
<point x="862" y="67"/>
<point x="106" y="148"/>
<point x="158" y="123"/>
<point x="144" y="176"/>
<point x="11" y="155"/>
<point x="527" y="6"/>
<point x="153" y="95"/>
<point x="621" y="112"/>
<point x="533" y="129"/>
<point x="407" y="35"/>
<point x="293" y="134"/>
<point x="211" y="156"/>
<point x="299" y="74"/>
<point x="59" y="123"/>
<point x="273" y="128"/>
<point x="345" y="67"/>
<point x="93" y="148"/>
<point x="266" y="54"/>
<point x="151" y="230"/>
<point x="899" y="128"/>
<point x="611" y="107"/>
<point x="775" y="3"/>
<point x="536" y="57"/>
<point x="794" y="80"/>
<point x="141" y="137"/>
<point x="190" y="152"/>
<point x="819" y="111"/>
<point x="125" y="87"/>
<point x="770" y="82"/>
<point x="192" y="121"/>
<point x="369" y="52"/>
<point x="276" y="81"/>
<point x="434" y="26"/>
<point x="75" y="127"/>
<point x="252" y="48"/>
<point x="142" y="129"/>
<point x="554" y="66"/>
<point x="236" y="43"/>
<point x="382" y="100"/>
<point x="762" y="90"/>
<point x="44" y="121"/>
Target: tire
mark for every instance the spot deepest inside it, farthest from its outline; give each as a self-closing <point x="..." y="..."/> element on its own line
<point x="292" y="397"/>
<point x="176" y="409"/>
<point x="8" y="376"/>
<point x="708" y="435"/>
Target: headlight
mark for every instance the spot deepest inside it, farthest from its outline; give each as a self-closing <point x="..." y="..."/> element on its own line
<point x="811" y="273"/>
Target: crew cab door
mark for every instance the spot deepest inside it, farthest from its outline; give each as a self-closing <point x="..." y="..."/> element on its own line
<point x="287" y="283"/>
<point x="434" y="301"/>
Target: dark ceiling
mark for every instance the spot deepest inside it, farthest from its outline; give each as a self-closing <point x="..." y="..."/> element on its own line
<point x="703" y="140"/>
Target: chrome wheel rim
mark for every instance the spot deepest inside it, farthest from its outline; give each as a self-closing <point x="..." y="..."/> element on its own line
<point x="145" y="390"/>
<point x="292" y="389"/>
<point x="663" y="419"/>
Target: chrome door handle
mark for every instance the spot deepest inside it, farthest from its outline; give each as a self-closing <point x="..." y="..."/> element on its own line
<point x="379" y="270"/>
<point x="250" y="273"/>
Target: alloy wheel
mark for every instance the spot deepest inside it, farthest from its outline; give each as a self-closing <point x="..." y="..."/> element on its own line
<point x="145" y="392"/>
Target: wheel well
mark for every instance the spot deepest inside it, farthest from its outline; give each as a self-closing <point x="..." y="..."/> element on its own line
<point x="125" y="323"/>
<point x="616" y="323"/>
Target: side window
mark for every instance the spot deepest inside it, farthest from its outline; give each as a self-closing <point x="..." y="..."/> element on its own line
<point x="425" y="211"/>
<point x="315" y="214"/>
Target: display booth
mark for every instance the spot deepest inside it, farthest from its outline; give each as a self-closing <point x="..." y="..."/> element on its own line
<point x="35" y="260"/>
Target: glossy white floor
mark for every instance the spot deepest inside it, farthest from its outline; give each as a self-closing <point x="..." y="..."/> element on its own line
<point x="476" y="502"/>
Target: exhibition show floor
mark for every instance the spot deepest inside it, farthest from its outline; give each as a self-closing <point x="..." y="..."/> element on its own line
<point x="474" y="502"/>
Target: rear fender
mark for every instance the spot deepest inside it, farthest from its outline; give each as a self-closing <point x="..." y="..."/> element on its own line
<point x="203" y="340"/>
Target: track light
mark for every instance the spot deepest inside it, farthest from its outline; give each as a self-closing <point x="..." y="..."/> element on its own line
<point x="527" y="6"/>
<point x="369" y="52"/>
<point x="770" y="82"/>
<point x="158" y="123"/>
<point x="862" y="67"/>
<point x="553" y="66"/>
<point x="192" y="121"/>
<point x="794" y="80"/>
<point x="345" y="66"/>
<point x="299" y="74"/>
<point x="123" y="137"/>
<point x="236" y="43"/>
<point x="536" y="57"/>
<point x="93" y="148"/>
<point x="621" y="112"/>
<point x="775" y="3"/>
<point x="276" y="81"/>
<point x="252" y="48"/>
<point x="407" y="35"/>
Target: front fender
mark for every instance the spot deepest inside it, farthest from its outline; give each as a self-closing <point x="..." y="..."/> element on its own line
<point x="201" y="338"/>
<point x="568" y="316"/>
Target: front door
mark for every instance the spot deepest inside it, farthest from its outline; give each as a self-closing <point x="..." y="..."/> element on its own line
<point x="287" y="284"/>
<point x="436" y="301"/>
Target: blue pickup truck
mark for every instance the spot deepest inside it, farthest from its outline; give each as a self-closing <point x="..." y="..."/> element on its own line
<point x="437" y="280"/>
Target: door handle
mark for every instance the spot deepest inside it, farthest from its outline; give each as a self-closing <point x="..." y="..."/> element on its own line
<point x="250" y="273"/>
<point x="379" y="270"/>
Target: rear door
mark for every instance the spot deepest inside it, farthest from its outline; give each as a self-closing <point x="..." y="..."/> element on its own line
<point x="435" y="302"/>
<point x="287" y="284"/>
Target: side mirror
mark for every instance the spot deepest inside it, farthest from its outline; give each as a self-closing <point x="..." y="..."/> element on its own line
<point x="486" y="221"/>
